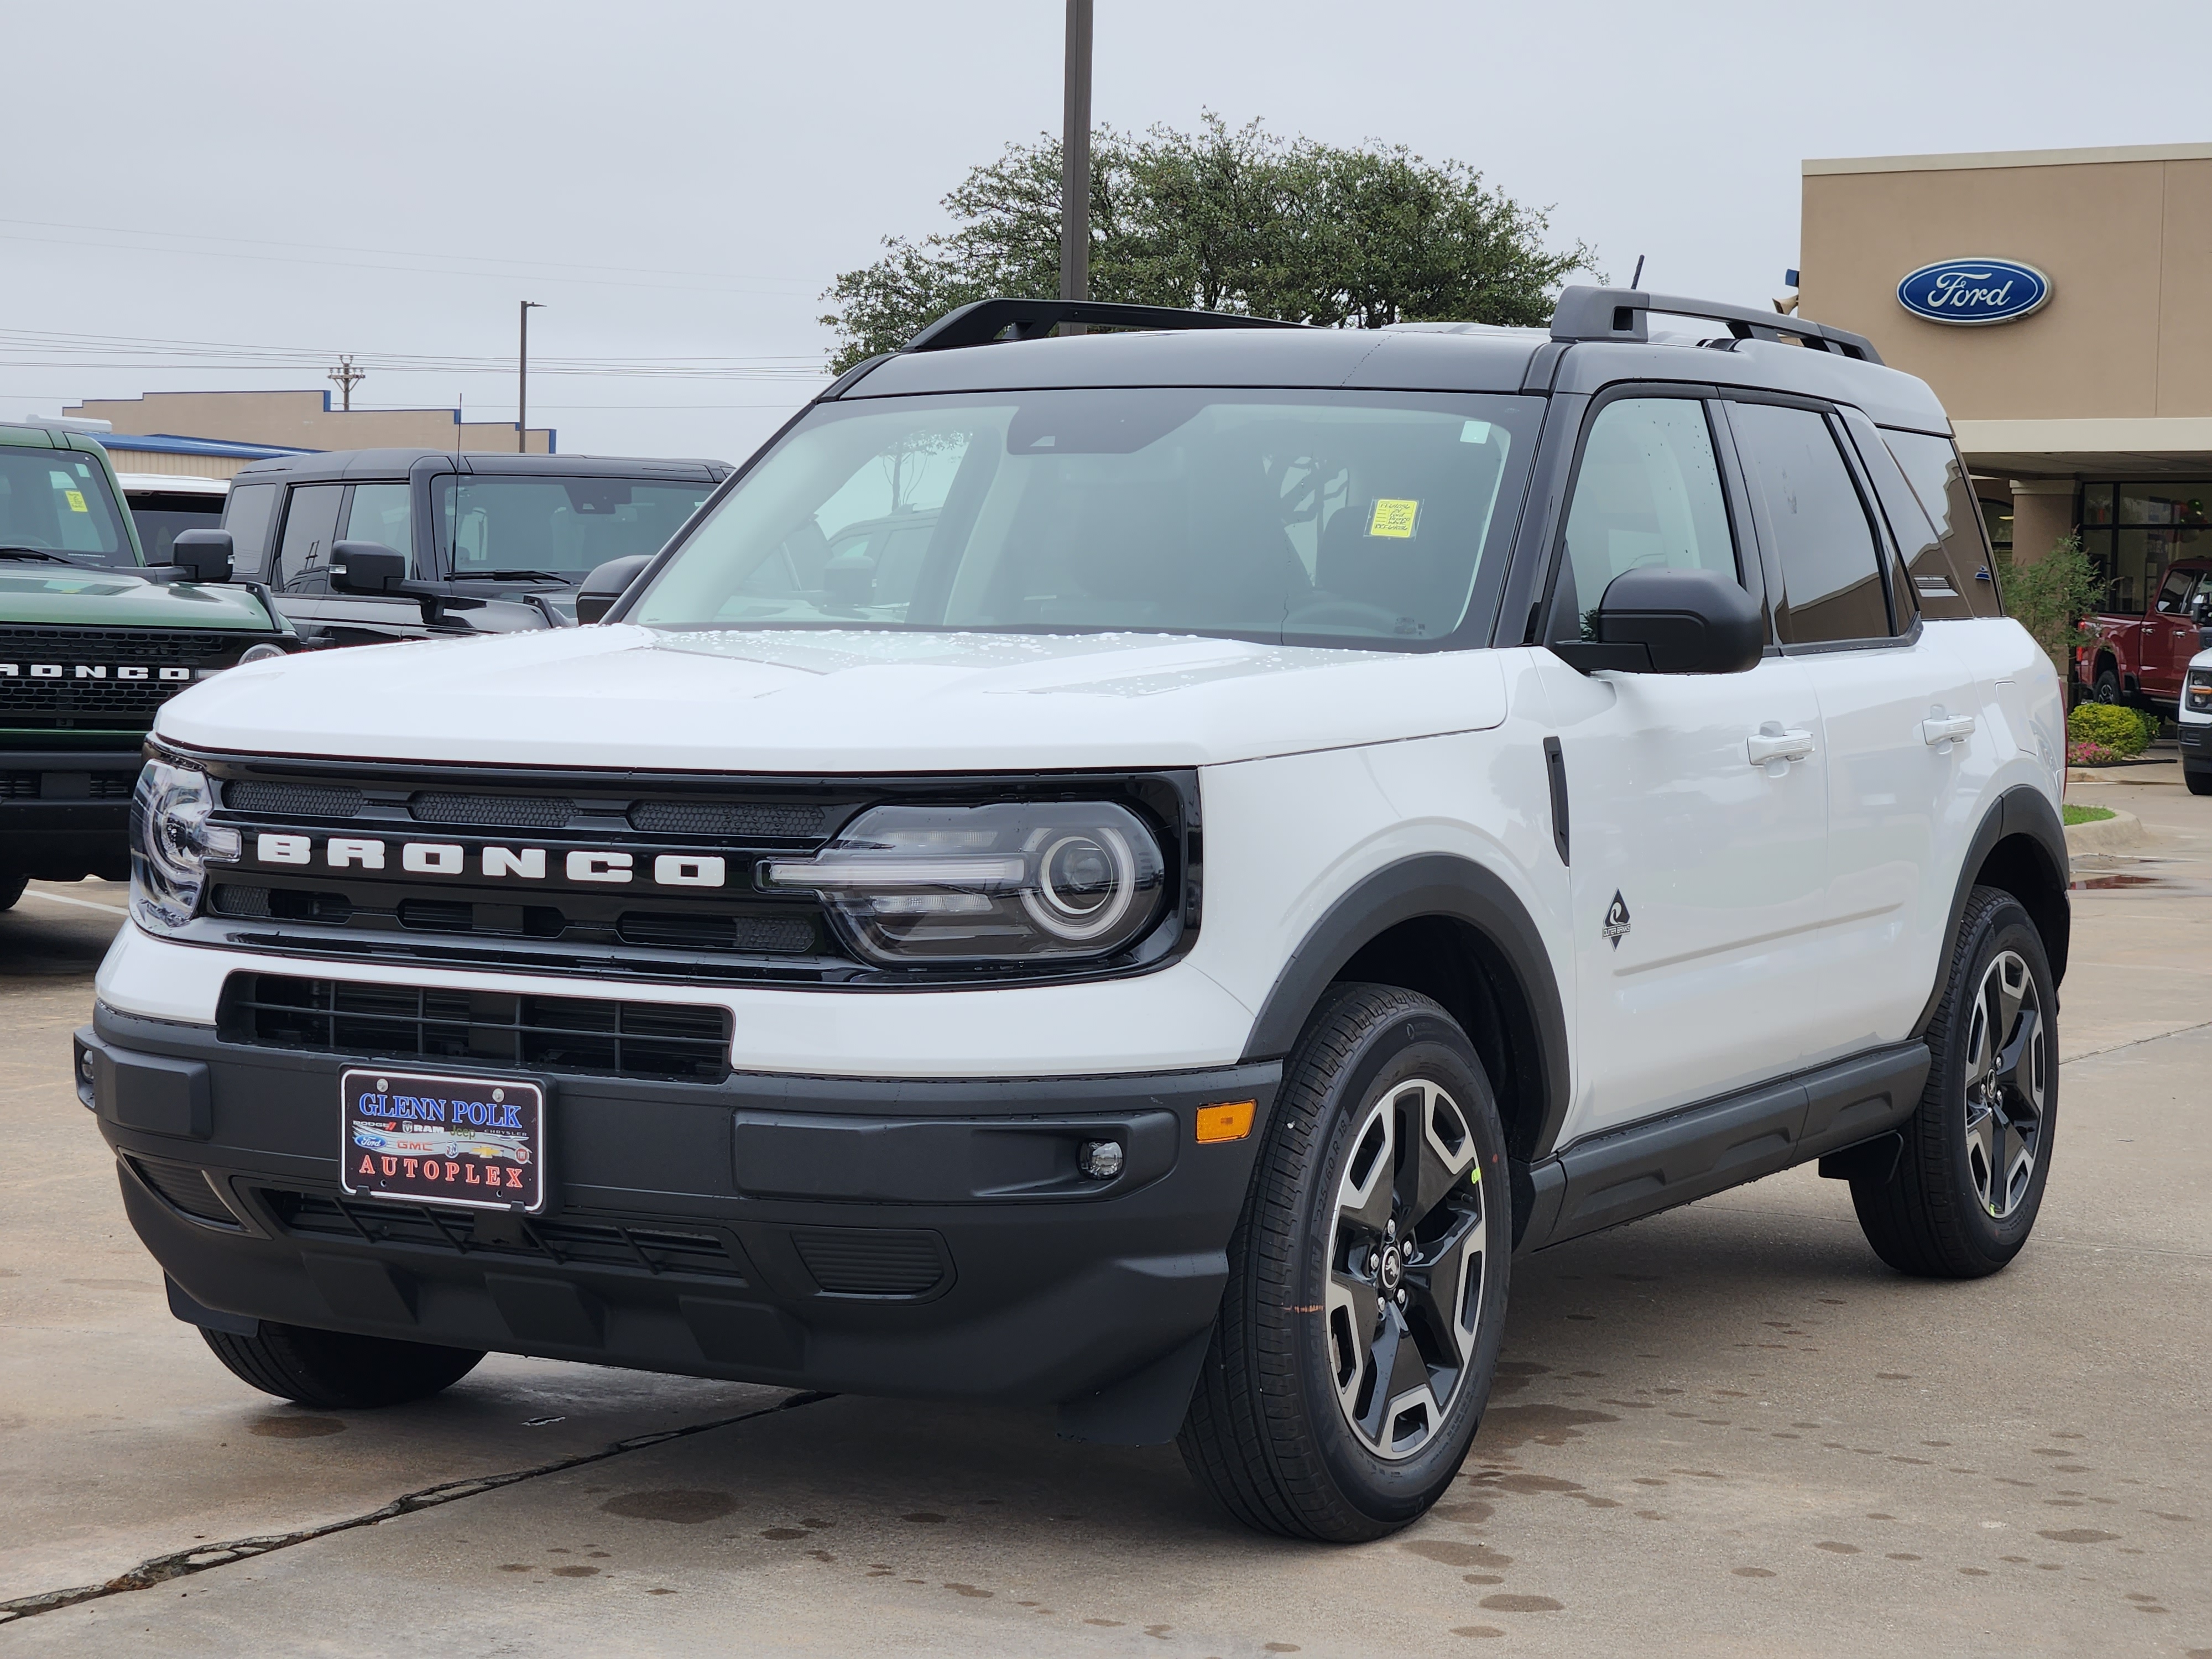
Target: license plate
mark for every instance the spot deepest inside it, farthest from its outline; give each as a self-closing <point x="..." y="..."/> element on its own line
<point x="476" y="1142"/>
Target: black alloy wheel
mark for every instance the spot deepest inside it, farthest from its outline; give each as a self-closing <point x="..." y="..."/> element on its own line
<point x="2106" y="690"/>
<point x="1961" y="1197"/>
<point x="1353" y="1354"/>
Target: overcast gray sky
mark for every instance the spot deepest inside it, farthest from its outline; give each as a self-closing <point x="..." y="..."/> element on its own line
<point x="680" y="181"/>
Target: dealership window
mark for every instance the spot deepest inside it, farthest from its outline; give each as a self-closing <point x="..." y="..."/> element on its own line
<point x="2133" y="532"/>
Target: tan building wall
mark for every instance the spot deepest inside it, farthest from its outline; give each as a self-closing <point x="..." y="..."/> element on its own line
<point x="300" y="420"/>
<point x="172" y="466"/>
<point x="2110" y="380"/>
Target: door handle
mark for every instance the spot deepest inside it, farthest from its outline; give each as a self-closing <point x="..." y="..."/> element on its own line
<point x="1944" y="729"/>
<point x="1771" y="744"/>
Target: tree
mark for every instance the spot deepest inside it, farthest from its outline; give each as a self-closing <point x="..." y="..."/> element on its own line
<point x="1221" y="219"/>
<point x="2050" y="597"/>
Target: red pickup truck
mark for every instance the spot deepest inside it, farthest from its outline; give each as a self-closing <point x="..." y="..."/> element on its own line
<point x="2142" y="660"/>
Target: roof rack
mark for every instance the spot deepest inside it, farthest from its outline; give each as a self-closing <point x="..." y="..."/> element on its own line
<point x="984" y="321"/>
<point x="1620" y="313"/>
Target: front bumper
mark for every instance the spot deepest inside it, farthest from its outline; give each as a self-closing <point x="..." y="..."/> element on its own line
<point x="66" y="813"/>
<point x="922" y="1238"/>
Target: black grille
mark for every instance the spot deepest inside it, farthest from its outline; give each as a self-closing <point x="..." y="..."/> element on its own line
<point x="868" y="1261"/>
<point x="439" y="915"/>
<point x="19" y="786"/>
<point x="112" y="786"/>
<point x="684" y="817"/>
<point x="126" y="703"/>
<point x="186" y="1188"/>
<point x="291" y="800"/>
<point x="171" y="648"/>
<point x="770" y="936"/>
<point x="513" y="811"/>
<point x="643" y="1246"/>
<point x="483" y="1027"/>
<point x="282" y="903"/>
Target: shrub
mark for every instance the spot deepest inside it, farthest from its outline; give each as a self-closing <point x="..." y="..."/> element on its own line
<point x="2106" y="726"/>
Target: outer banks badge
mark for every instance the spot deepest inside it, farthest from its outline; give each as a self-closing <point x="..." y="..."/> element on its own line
<point x="476" y="1142"/>
<point x="1616" y="920"/>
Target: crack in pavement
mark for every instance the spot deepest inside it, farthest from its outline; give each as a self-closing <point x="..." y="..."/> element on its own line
<point x="180" y="1564"/>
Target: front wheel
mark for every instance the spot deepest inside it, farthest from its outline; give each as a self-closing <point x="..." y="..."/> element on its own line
<point x="2200" y="783"/>
<point x="1961" y="1197"/>
<point x="333" y="1370"/>
<point x="12" y="884"/>
<point x="1352" y="1356"/>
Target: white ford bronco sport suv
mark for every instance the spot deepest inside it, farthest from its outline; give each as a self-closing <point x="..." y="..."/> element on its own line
<point x="1256" y="826"/>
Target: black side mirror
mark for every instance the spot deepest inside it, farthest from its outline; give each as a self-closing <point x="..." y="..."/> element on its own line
<point x="202" y="555"/>
<point x="597" y="593"/>
<point x="849" y="580"/>
<point x="1671" y="622"/>
<point x="367" y="568"/>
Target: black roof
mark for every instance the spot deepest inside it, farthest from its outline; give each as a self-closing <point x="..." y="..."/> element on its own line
<point x="1419" y="357"/>
<point x="335" y="464"/>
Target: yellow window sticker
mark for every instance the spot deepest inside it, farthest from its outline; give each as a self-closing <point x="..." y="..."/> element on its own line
<point x="75" y="499"/>
<point x="1394" y="519"/>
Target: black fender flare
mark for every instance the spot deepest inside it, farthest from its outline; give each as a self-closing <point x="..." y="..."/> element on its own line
<point x="2027" y="812"/>
<point x="1429" y="885"/>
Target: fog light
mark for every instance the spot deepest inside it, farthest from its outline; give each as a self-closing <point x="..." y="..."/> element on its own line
<point x="1100" y="1159"/>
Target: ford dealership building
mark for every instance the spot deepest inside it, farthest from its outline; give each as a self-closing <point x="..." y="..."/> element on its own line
<point x="2060" y="303"/>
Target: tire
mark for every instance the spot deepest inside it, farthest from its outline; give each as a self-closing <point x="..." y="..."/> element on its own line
<point x="11" y="888"/>
<point x="1957" y="1203"/>
<point x="1271" y="1431"/>
<point x="2200" y="783"/>
<point x="2106" y="687"/>
<point x="334" y="1371"/>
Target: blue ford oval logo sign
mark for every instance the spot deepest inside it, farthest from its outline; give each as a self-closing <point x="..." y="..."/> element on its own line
<point x="1973" y="291"/>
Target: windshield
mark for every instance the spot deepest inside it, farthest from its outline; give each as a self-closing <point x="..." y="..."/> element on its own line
<point x="161" y="515"/>
<point x="562" y="527"/>
<point x="57" y="500"/>
<point x="1349" y="518"/>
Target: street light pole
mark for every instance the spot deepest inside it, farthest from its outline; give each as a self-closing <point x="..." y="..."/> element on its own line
<point x="1075" y="159"/>
<point x="522" y="382"/>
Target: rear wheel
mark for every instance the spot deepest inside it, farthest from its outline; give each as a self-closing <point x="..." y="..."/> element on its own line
<point x="335" y="1371"/>
<point x="1353" y="1354"/>
<point x="2107" y="688"/>
<point x="1961" y="1197"/>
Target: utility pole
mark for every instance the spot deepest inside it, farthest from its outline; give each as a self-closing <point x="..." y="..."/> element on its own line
<point x="347" y="377"/>
<point x="522" y="382"/>
<point x="1075" y="161"/>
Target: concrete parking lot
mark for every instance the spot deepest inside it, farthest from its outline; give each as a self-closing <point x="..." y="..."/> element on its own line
<point x="1727" y="1430"/>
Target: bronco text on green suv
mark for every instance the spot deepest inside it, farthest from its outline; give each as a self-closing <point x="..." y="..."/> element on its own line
<point x="92" y="642"/>
<point x="1278" y="821"/>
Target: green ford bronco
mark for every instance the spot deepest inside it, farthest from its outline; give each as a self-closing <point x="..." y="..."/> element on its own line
<point x="92" y="641"/>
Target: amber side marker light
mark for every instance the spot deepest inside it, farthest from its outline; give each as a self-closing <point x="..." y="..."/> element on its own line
<point x="1232" y="1121"/>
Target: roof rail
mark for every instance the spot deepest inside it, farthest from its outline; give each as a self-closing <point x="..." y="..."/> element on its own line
<point x="984" y="321"/>
<point x="1620" y="313"/>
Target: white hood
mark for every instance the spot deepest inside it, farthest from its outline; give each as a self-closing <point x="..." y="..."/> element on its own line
<point x="791" y="700"/>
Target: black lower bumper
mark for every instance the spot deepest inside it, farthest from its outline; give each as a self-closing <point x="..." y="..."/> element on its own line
<point x="918" y="1238"/>
<point x="65" y="814"/>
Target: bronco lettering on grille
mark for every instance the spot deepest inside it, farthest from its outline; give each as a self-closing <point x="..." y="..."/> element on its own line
<point x="90" y="671"/>
<point x="438" y="857"/>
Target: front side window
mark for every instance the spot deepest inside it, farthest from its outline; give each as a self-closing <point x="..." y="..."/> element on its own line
<point x="379" y="514"/>
<point x="524" y="528"/>
<point x="1351" y="517"/>
<point x="1831" y="563"/>
<point x="56" y="501"/>
<point x="1647" y="497"/>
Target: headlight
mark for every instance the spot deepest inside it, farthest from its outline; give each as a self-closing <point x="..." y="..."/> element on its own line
<point x="2200" y="691"/>
<point x="983" y="883"/>
<point x="171" y="841"/>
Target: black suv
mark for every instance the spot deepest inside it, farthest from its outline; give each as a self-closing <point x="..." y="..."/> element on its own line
<point x="491" y="543"/>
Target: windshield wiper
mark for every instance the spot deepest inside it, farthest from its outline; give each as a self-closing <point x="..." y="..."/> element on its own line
<point x="567" y="577"/>
<point x="11" y="552"/>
